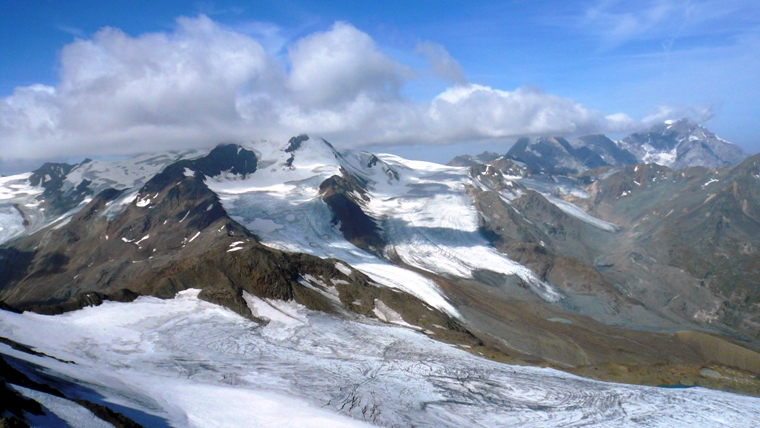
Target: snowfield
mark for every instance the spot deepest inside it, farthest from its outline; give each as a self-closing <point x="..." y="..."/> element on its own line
<point x="186" y="362"/>
<point x="422" y="209"/>
<point x="431" y="223"/>
<point x="125" y="174"/>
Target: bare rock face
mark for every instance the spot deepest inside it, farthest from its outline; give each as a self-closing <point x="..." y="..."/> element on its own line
<point x="694" y="230"/>
<point x="56" y="198"/>
<point x="345" y="194"/>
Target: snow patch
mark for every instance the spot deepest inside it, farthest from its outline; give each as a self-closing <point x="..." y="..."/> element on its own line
<point x="384" y="313"/>
<point x="712" y="180"/>
<point x="236" y="246"/>
<point x="144" y="202"/>
<point x="343" y="268"/>
<point x="577" y="212"/>
<point x="285" y="313"/>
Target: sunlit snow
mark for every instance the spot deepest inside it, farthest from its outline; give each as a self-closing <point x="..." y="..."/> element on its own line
<point x="422" y="208"/>
<point x="186" y="362"/>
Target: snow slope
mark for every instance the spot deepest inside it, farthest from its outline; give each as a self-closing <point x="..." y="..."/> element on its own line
<point x="125" y="174"/>
<point x="64" y="412"/>
<point x="186" y="362"/>
<point x="422" y="208"/>
<point x="15" y="190"/>
<point x="431" y="223"/>
<point x="282" y="205"/>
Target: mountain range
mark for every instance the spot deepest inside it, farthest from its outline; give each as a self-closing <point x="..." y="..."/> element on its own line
<point x="676" y="144"/>
<point x="633" y="261"/>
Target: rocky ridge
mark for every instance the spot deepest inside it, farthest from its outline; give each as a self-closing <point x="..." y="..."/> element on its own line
<point x="676" y="144"/>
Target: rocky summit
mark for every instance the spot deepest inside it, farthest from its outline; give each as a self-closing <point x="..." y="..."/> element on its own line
<point x="328" y="280"/>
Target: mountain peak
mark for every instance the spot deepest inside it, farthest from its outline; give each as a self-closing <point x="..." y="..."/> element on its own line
<point x="682" y="143"/>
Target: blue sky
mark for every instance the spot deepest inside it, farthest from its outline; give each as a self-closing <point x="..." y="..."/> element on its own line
<point x="398" y="84"/>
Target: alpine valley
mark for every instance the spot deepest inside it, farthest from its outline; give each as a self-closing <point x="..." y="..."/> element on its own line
<point x="588" y="282"/>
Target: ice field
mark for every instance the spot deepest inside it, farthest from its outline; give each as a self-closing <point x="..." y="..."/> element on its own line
<point x="186" y="362"/>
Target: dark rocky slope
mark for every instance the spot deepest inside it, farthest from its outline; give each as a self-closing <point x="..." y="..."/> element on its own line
<point x="345" y="194"/>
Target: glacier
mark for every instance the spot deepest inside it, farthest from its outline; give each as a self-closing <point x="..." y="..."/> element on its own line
<point x="187" y="362"/>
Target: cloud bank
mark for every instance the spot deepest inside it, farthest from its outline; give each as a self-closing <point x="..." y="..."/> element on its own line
<point x="203" y="83"/>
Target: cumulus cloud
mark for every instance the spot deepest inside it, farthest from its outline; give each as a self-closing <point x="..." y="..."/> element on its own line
<point x="339" y="65"/>
<point x="120" y="94"/>
<point x="202" y="83"/>
<point x="474" y="111"/>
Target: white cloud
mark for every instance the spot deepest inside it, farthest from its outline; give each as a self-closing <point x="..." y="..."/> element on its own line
<point x="699" y="114"/>
<point x="202" y="83"/>
<point x="120" y="94"/>
<point x="478" y="111"/>
<point x="337" y="66"/>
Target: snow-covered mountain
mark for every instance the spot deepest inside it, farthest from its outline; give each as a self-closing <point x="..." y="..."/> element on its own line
<point x="682" y="143"/>
<point x="675" y="144"/>
<point x="331" y="278"/>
